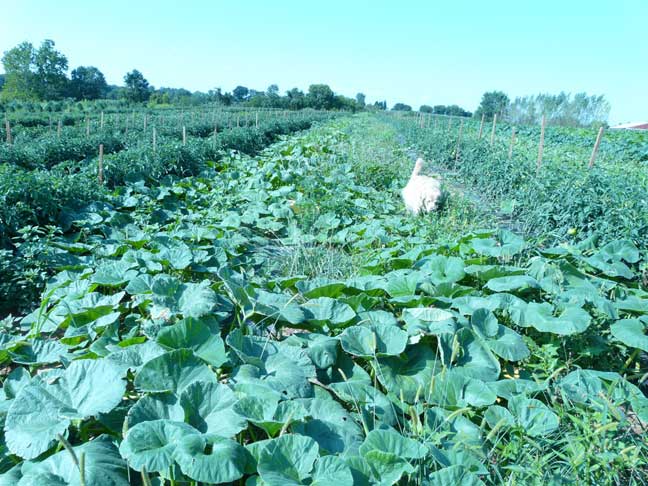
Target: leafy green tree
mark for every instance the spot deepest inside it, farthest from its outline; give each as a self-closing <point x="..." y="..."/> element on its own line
<point x="380" y="105"/>
<point x="2" y="80"/>
<point x="137" y="88"/>
<point x="320" y="97"/>
<point x="296" y="99"/>
<point x="241" y="93"/>
<point x="87" y="83"/>
<point x="492" y="103"/>
<point x="51" y="68"/>
<point x="360" y="99"/>
<point x="426" y="109"/>
<point x="20" y="79"/>
<point x="35" y="74"/>
<point x="401" y="107"/>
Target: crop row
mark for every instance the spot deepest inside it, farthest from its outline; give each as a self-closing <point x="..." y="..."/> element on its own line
<point x="561" y="200"/>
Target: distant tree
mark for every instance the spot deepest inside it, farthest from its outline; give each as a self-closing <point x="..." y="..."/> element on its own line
<point x="561" y="109"/>
<point x="51" y="69"/>
<point x="296" y="99"/>
<point x="241" y="93"/>
<point x="360" y="99"/>
<point x="439" y="109"/>
<point x="380" y="105"/>
<point x="87" y="83"/>
<point x="426" y="109"/>
<point x="2" y="80"/>
<point x="401" y="107"/>
<point x="20" y="78"/>
<point x="137" y="87"/>
<point x="320" y="97"/>
<point x="492" y="103"/>
<point x="273" y="91"/>
<point x="456" y="110"/>
<point x="35" y="74"/>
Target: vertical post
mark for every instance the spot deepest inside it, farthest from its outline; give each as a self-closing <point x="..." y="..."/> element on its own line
<point x="596" y="147"/>
<point x="101" y="122"/>
<point x="481" y="127"/>
<point x="510" y="154"/>
<point x="257" y="120"/>
<point x="435" y="124"/>
<point x="541" y="146"/>
<point x="58" y="129"/>
<point x="87" y="126"/>
<point x="215" y="135"/>
<point x="100" y="171"/>
<point x="154" y="140"/>
<point x="493" y="130"/>
<point x="184" y="135"/>
<point x="459" y="141"/>
<point x="8" y="130"/>
<point x="238" y="121"/>
<point x="145" y="121"/>
<point x="126" y="130"/>
<point x="50" y="124"/>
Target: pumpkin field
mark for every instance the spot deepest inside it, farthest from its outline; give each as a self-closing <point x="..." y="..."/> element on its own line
<point x="239" y="297"/>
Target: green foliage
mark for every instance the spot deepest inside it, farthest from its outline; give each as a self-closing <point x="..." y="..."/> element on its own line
<point x="34" y="74"/>
<point x="137" y="88"/>
<point x="401" y="107"/>
<point x="167" y="347"/>
<point x="87" y="83"/>
<point x="561" y="109"/>
<point x="492" y="103"/>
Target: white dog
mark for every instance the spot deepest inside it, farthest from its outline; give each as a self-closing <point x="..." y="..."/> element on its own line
<point x="421" y="192"/>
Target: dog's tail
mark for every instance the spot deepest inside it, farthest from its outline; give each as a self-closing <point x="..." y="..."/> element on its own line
<point x="418" y="167"/>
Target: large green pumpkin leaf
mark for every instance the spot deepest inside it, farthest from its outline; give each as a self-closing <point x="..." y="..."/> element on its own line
<point x="202" y="337"/>
<point x="332" y="471"/>
<point x="151" y="444"/>
<point x="533" y="416"/>
<point x="288" y="460"/>
<point x="211" y="459"/>
<point x="173" y="371"/>
<point x="41" y="410"/>
<point x="453" y="475"/>
<point x="374" y="340"/>
<point x="209" y="407"/>
<point x="103" y="467"/>
<point x="329" y="312"/>
<point x="411" y="373"/>
<point x="631" y="332"/>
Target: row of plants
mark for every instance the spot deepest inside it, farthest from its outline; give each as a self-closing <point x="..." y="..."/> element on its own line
<point x="45" y="147"/>
<point x="561" y="200"/>
<point x="173" y="347"/>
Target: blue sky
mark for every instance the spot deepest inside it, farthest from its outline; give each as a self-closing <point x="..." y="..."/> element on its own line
<point x="409" y="51"/>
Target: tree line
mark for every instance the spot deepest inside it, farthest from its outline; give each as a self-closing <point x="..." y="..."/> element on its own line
<point x="562" y="109"/>
<point x="40" y="74"/>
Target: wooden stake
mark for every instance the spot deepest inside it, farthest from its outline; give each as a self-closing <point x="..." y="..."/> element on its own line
<point x="100" y="173"/>
<point x="8" y="130"/>
<point x="184" y="135"/>
<point x="145" y="121"/>
<point x="481" y="127"/>
<point x="541" y="146"/>
<point x="50" y="124"/>
<point x="449" y="124"/>
<point x="510" y="154"/>
<point x="238" y="120"/>
<point x="101" y="122"/>
<point x="257" y="119"/>
<point x="58" y="129"/>
<point x="596" y="147"/>
<point x="459" y="141"/>
<point x="493" y="130"/>
<point x="215" y="135"/>
<point x="87" y="126"/>
<point x="154" y="140"/>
